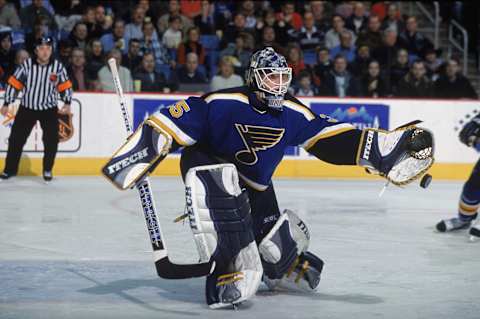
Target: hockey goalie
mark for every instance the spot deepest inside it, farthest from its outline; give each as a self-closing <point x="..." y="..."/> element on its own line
<point x="232" y="140"/>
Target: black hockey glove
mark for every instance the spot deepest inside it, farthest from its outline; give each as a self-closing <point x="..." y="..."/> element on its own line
<point x="470" y="132"/>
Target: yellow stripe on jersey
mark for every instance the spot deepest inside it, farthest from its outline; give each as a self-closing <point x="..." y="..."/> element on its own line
<point x="309" y="115"/>
<point x="326" y="133"/>
<point x="172" y="131"/>
<point x="227" y="96"/>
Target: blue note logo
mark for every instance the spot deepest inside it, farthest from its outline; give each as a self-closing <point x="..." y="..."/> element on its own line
<point x="255" y="139"/>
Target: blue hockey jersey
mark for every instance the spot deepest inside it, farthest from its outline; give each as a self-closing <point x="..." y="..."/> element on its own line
<point x="235" y="127"/>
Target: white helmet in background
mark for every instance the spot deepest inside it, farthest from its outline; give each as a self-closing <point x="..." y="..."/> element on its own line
<point x="269" y="75"/>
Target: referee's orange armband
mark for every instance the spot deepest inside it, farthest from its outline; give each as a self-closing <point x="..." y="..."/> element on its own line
<point x="15" y="83"/>
<point x="64" y="86"/>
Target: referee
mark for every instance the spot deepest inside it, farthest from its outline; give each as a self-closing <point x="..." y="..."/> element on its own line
<point x="41" y="79"/>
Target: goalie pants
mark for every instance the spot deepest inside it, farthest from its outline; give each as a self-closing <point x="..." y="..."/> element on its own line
<point x="264" y="205"/>
<point x="24" y="122"/>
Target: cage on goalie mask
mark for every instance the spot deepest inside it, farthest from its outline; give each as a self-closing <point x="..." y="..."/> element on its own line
<point x="270" y="75"/>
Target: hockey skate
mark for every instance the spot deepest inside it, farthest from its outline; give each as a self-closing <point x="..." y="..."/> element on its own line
<point x="475" y="231"/>
<point x="451" y="224"/>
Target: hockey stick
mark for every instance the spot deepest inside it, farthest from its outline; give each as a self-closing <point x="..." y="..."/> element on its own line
<point x="165" y="268"/>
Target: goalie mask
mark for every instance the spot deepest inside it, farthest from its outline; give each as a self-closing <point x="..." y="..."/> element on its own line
<point x="269" y="75"/>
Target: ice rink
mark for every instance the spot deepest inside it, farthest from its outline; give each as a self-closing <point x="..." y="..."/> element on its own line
<point x="78" y="248"/>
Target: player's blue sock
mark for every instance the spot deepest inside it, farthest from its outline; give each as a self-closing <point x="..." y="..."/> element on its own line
<point x="469" y="203"/>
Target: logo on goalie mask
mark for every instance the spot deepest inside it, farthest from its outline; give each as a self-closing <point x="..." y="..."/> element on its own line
<point x="256" y="138"/>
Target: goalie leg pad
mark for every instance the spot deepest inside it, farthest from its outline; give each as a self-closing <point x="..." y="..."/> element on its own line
<point x="220" y="219"/>
<point x="401" y="155"/>
<point x="143" y="149"/>
<point x="287" y="263"/>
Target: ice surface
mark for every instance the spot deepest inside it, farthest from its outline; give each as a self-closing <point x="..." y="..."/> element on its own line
<point x="78" y="248"/>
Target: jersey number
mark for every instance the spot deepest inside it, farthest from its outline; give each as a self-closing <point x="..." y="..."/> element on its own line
<point x="176" y="110"/>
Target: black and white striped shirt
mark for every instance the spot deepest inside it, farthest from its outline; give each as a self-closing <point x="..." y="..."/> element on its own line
<point x="40" y="85"/>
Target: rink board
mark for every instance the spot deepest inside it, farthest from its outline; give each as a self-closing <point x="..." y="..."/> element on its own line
<point x="98" y="130"/>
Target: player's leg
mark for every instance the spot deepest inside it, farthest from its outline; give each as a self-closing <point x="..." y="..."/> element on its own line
<point x="49" y="123"/>
<point x="220" y="219"/>
<point x="22" y="126"/>
<point x="283" y="242"/>
<point x="468" y="204"/>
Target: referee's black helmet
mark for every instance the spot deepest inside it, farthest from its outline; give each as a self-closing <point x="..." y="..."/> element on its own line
<point x="44" y="40"/>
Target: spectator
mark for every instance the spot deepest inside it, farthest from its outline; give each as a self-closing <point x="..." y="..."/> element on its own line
<point x="188" y="73"/>
<point x="323" y="66"/>
<point x="433" y="63"/>
<point x="134" y="28"/>
<point x="226" y="78"/>
<point x="190" y="8"/>
<point x="105" y="75"/>
<point x="453" y="85"/>
<point x="318" y="10"/>
<point x="373" y="84"/>
<point x="372" y="36"/>
<point x="346" y="47"/>
<point x="282" y="29"/>
<point x="151" y="43"/>
<point x="309" y="36"/>
<point x="339" y="81"/>
<point x="191" y="44"/>
<point x="34" y="11"/>
<point x="103" y="23"/>
<point x="40" y="29"/>
<point x="415" y="83"/>
<point x="379" y="9"/>
<point x="64" y="52"/>
<point x="344" y="9"/>
<point x="150" y="81"/>
<point x="268" y="40"/>
<point x="386" y="54"/>
<point x="289" y="16"/>
<point x="295" y="60"/>
<point x="132" y="59"/>
<point x="332" y="37"/>
<point x="7" y="54"/>
<point x="95" y="58"/>
<point x="206" y="19"/>
<point x="20" y="57"/>
<point x="399" y="69"/>
<point x="358" y="21"/>
<point x="8" y="15"/>
<point x="393" y="20"/>
<point x="173" y="36"/>
<point x="115" y="39"/>
<point x="78" y="36"/>
<point x="173" y="11"/>
<point x="239" y="53"/>
<point x="304" y="85"/>
<point x="248" y="10"/>
<point x="77" y="71"/>
<point x="233" y="30"/>
<point x="88" y="19"/>
<point x="359" y="66"/>
<point x="412" y="40"/>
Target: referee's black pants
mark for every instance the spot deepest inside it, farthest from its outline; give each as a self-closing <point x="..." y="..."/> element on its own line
<point x="24" y="122"/>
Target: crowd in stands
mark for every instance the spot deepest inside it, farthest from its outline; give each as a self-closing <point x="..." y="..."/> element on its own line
<point x="363" y="49"/>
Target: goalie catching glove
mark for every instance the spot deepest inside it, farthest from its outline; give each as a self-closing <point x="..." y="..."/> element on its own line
<point x="401" y="155"/>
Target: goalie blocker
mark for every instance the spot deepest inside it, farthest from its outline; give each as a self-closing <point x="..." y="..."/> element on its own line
<point x="138" y="156"/>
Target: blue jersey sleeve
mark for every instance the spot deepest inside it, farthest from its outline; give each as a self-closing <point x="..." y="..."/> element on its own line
<point x="185" y="121"/>
<point x="314" y="127"/>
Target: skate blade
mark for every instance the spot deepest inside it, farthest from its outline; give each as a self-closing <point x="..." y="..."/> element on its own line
<point x="474" y="238"/>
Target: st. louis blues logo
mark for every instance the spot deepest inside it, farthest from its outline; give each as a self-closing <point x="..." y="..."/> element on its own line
<point x="256" y="138"/>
